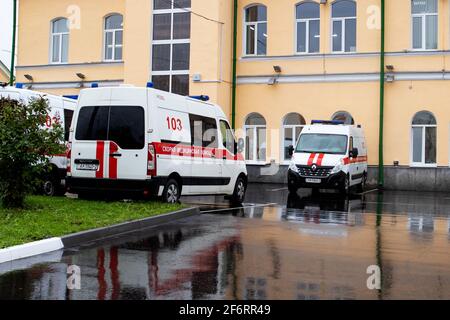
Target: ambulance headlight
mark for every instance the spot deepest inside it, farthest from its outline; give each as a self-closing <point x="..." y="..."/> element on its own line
<point x="293" y="167"/>
<point x="338" y="168"/>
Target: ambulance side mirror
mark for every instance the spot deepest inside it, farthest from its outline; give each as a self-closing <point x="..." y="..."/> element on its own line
<point x="291" y="150"/>
<point x="354" y="153"/>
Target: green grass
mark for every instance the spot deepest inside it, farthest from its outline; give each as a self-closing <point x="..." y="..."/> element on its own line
<point x="45" y="217"/>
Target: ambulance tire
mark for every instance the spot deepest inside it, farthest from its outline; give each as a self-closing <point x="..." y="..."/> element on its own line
<point x="171" y="192"/>
<point x="239" y="192"/>
<point x="362" y="185"/>
<point x="292" y="188"/>
<point x="345" y="188"/>
<point x="51" y="186"/>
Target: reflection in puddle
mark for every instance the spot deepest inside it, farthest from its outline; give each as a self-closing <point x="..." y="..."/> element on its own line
<point x="311" y="248"/>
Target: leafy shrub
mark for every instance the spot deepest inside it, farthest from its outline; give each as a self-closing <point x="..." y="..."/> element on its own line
<point x="25" y="145"/>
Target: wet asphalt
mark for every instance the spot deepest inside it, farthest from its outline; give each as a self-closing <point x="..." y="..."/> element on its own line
<point x="277" y="246"/>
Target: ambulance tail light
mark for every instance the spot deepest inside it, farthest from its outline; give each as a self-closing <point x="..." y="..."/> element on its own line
<point x="151" y="160"/>
<point x="69" y="157"/>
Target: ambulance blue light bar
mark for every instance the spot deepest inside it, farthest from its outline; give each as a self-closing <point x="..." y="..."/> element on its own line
<point x="150" y="85"/>
<point x="331" y="122"/>
<point x="202" y="97"/>
<point x="94" y="85"/>
<point x="19" y="85"/>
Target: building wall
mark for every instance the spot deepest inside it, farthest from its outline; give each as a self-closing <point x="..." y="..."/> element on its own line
<point x="318" y="85"/>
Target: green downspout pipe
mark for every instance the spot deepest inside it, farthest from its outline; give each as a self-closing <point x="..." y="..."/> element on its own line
<point x="233" y="90"/>
<point x="382" y="74"/>
<point x="13" y="50"/>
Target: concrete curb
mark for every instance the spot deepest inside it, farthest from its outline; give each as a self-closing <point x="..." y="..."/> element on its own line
<point x="54" y="244"/>
<point x="114" y="230"/>
<point x="30" y="249"/>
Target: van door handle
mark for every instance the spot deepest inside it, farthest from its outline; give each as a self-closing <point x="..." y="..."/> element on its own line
<point x="115" y="155"/>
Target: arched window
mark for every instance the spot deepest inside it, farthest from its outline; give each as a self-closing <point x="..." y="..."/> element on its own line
<point x="344" y="116"/>
<point x="423" y="139"/>
<point x="308" y="27"/>
<point x="255" y="30"/>
<point x="293" y="124"/>
<point x="255" y="138"/>
<point x="113" y="36"/>
<point x="60" y="41"/>
<point x="424" y="24"/>
<point x="344" y="26"/>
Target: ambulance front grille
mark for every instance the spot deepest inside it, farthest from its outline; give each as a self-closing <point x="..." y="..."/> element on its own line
<point x="320" y="171"/>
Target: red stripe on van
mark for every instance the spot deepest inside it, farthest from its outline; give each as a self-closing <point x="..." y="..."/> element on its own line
<point x="195" y="152"/>
<point x="113" y="148"/>
<point x="320" y="159"/>
<point x="100" y="151"/>
<point x="311" y="159"/>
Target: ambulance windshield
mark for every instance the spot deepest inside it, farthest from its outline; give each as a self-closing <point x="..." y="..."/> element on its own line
<point x="322" y="143"/>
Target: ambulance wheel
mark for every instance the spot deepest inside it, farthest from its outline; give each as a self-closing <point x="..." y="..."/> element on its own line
<point x="362" y="185"/>
<point x="345" y="188"/>
<point x="171" y="192"/>
<point x="292" y="188"/>
<point x="52" y="186"/>
<point x="239" y="191"/>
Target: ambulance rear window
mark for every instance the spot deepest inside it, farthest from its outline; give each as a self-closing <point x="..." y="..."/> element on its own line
<point x="92" y="123"/>
<point x="122" y="124"/>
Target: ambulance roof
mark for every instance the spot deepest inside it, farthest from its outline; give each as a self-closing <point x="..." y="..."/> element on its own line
<point x="28" y="93"/>
<point x="132" y="92"/>
<point x="330" y="129"/>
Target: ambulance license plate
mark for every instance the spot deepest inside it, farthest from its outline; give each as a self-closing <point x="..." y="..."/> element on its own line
<point x="313" y="181"/>
<point x="87" y="166"/>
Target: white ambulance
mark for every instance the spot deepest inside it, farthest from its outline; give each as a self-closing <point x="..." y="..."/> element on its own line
<point x="61" y="111"/>
<point x="147" y="142"/>
<point x="329" y="155"/>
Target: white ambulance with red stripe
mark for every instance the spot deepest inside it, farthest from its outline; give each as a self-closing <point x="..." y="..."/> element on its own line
<point x="329" y="155"/>
<point x="61" y="112"/>
<point x="147" y="142"/>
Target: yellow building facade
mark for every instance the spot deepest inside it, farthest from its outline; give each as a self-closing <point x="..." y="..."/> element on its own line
<point x="296" y="61"/>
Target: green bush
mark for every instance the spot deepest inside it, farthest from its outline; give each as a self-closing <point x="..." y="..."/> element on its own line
<point x="24" y="148"/>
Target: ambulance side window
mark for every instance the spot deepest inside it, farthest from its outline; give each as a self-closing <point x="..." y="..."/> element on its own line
<point x="203" y="131"/>
<point x="350" y="146"/>
<point x="227" y="136"/>
<point x="68" y="115"/>
<point x="92" y="123"/>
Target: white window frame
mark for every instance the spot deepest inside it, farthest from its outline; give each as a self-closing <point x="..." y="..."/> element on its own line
<point x="294" y="128"/>
<point x="307" y="21"/>
<point x="60" y="36"/>
<point x="170" y="42"/>
<point x="343" y="21"/>
<point x="423" y="17"/>
<point x="254" y="128"/>
<point x="113" y="46"/>
<point x="255" y="25"/>
<point x="422" y="164"/>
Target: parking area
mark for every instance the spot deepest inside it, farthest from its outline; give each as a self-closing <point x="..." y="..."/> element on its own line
<point x="277" y="246"/>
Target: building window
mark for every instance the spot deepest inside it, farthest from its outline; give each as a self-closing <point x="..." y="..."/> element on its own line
<point x="113" y="37"/>
<point x="293" y="124"/>
<point x="424" y="24"/>
<point x="344" y="26"/>
<point x="60" y="41"/>
<point x="171" y="45"/>
<point x="255" y="30"/>
<point x="308" y="27"/>
<point x="343" y="116"/>
<point x="255" y="138"/>
<point x="423" y="139"/>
